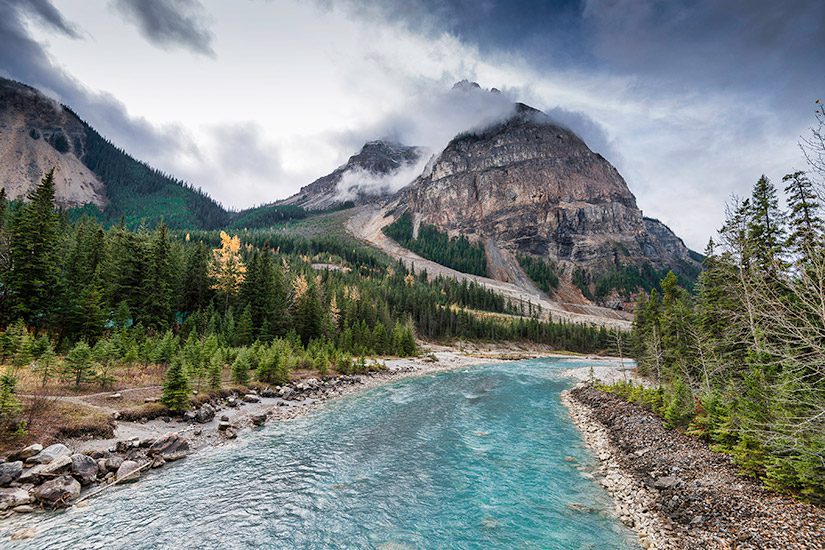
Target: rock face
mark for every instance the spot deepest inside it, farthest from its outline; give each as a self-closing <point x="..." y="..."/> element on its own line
<point x="361" y="179"/>
<point x="37" y="133"/>
<point x="527" y="185"/>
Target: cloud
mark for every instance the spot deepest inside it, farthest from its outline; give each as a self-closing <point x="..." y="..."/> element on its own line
<point x="357" y="181"/>
<point x="170" y="23"/>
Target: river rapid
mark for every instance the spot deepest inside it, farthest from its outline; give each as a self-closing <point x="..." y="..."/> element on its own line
<point x="484" y="457"/>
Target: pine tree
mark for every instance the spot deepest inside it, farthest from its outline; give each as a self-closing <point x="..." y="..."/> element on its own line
<point x="176" y="389"/>
<point x="157" y="282"/>
<point x="33" y="279"/>
<point x="78" y="364"/>
<point x="765" y="230"/>
<point x="244" y="330"/>
<point x="46" y="364"/>
<point x="804" y="220"/>
<point x="216" y="370"/>
<point x="9" y="405"/>
<point x="240" y="367"/>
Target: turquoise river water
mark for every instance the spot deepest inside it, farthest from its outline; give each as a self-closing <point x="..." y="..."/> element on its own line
<point x="484" y="457"/>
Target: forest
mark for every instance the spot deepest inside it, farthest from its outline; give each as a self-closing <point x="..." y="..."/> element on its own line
<point x="740" y="358"/>
<point x="455" y="252"/>
<point x="81" y="305"/>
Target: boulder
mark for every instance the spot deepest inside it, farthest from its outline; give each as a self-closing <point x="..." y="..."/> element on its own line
<point x="251" y="398"/>
<point x="224" y="425"/>
<point x="224" y="418"/>
<point x="129" y="471"/>
<point x="31" y="475"/>
<point x="286" y="392"/>
<point x="666" y="482"/>
<point x="205" y="414"/>
<point x="125" y="444"/>
<point x="101" y="467"/>
<point x="26" y="452"/>
<point x="10" y="471"/>
<point x="59" y="465"/>
<point x="231" y="401"/>
<point x="113" y="463"/>
<point x="59" y="491"/>
<point x="267" y="392"/>
<point x="259" y="419"/>
<point x="84" y="468"/>
<point x="13" y="497"/>
<point x="230" y="433"/>
<point x="49" y="454"/>
<point x="170" y="447"/>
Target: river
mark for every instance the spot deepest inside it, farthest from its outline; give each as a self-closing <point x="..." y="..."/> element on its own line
<point x="484" y="457"/>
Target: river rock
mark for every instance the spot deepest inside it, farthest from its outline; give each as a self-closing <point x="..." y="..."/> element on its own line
<point x="101" y="467"/>
<point x="113" y="463"/>
<point x="251" y="398"/>
<point x="26" y="452"/>
<point x="48" y="454"/>
<point x="125" y="444"/>
<point x="58" y="491"/>
<point x="31" y="475"/>
<point x="129" y="471"/>
<point x="259" y="419"/>
<point x="286" y="393"/>
<point x="84" y="468"/>
<point x="14" y="496"/>
<point x="205" y="414"/>
<point x="59" y="465"/>
<point x="224" y="425"/>
<point x="231" y="401"/>
<point x="10" y="471"/>
<point x="170" y="447"/>
<point x="666" y="482"/>
<point x="267" y="392"/>
<point x="230" y="433"/>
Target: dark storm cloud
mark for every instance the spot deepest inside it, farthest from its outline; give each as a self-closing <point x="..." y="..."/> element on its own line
<point x="170" y="23"/>
<point x="23" y="59"/>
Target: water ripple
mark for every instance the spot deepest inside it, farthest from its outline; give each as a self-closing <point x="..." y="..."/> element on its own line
<point x="473" y="459"/>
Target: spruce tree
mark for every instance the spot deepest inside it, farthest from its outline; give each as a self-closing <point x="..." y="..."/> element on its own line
<point x="765" y="228"/>
<point x="35" y="241"/>
<point x="176" y="389"/>
<point x="240" y="367"/>
<point x="804" y="219"/>
<point x="78" y="364"/>
<point x="9" y="405"/>
<point x="157" y="283"/>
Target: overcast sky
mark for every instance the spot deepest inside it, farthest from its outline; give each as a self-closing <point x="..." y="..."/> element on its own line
<point x="251" y="99"/>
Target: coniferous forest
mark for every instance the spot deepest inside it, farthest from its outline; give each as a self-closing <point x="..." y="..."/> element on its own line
<point x="740" y="359"/>
<point x="82" y="304"/>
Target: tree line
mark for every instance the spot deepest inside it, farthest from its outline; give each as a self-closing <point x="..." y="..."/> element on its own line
<point x="741" y="361"/>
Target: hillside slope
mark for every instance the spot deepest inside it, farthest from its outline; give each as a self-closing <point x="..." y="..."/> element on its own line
<point x="37" y="133"/>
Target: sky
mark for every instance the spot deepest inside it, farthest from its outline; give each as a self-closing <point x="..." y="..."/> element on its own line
<point x="691" y="100"/>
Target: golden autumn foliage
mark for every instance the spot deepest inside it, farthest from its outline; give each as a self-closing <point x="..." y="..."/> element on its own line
<point x="227" y="269"/>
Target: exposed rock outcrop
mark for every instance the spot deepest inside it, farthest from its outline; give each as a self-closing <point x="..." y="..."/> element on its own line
<point x="532" y="186"/>
<point x="360" y="180"/>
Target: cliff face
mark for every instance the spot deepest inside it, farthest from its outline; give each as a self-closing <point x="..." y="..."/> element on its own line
<point x="368" y="175"/>
<point x="37" y="134"/>
<point x="531" y="186"/>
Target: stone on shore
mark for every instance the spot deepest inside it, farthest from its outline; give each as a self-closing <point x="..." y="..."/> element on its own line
<point x="14" y="496"/>
<point x="129" y="471"/>
<point x="49" y="454"/>
<point x="10" y="471"/>
<point x="205" y="414"/>
<point x="26" y="452"/>
<point x="59" y="491"/>
<point x="84" y="468"/>
<point x="113" y="463"/>
<point x="251" y="398"/>
<point x="170" y="446"/>
<point x="259" y="419"/>
<point x="59" y="465"/>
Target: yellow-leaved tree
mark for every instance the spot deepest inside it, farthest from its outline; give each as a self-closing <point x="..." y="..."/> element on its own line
<point x="227" y="269"/>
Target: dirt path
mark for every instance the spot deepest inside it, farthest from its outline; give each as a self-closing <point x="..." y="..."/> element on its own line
<point x="366" y="224"/>
<point x="81" y="399"/>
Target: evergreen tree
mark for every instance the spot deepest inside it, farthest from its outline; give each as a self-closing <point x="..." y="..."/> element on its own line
<point x="244" y="330"/>
<point x="215" y="371"/>
<point x="157" y="283"/>
<point x="9" y="405"/>
<point x="806" y="225"/>
<point x="176" y="389"/>
<point x="35" y="241"/>
<point x="765" y="230"/>
<point x="78" y="364"/>
<point x="46" y="364"/>
<point x="241" y="366"/>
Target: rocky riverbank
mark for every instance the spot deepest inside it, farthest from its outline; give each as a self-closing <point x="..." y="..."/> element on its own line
<point x="63" y="474"/>
<point x="676" y="492"/>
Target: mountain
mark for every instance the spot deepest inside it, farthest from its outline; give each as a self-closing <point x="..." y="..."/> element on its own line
<point x="375" y="172"/>
<point x="529" y="187"/>
<point x="37" y="133"/>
